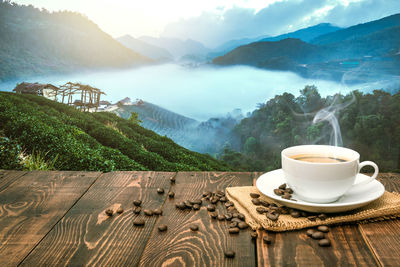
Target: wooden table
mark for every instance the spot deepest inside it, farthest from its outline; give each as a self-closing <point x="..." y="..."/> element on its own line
<point x="57" y="218"/>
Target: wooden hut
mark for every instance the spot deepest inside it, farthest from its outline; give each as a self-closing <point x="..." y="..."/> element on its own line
<point x="47" y="90"/>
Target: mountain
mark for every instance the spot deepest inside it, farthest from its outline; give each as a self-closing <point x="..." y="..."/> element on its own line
<point x="358" y="30"/>
<point x="232" y="44"/>
<point x="306" y="34"/>
<point x="36" y="42"/>
<point x="178" y="48"/>
<point x="151" y="51"/>
<point x="98" y="141"/>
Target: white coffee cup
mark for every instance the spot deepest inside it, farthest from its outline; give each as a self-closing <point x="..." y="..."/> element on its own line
<point x="323" y="182"/>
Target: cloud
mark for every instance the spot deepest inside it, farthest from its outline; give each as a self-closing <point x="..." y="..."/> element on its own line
<point x="214" y="28"/>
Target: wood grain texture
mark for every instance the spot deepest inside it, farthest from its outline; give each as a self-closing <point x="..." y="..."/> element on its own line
<point x="32" y="205"/>
<point x="86" y="236"/>
<point x="179" y="246"/>
<point x="7" y="177"/>
<point x="384" y="237"/>
<point x="295" y="248"/>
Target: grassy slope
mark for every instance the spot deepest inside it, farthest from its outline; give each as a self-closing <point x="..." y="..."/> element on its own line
<point x="93" y="141"/>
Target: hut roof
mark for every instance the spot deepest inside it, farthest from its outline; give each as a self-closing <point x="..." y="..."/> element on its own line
<point x="32" y="88"/>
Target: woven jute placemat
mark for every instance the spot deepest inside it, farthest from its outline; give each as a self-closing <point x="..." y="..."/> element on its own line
<point x="386" y="207"/>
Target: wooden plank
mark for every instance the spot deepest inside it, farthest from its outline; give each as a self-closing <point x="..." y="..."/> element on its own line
<point x="295" y="248"/>
<point x="179" y="246"/>
<point x="86" y="236"/>
<point x="7" y="177"/>
<point x="32" y="205"/>
<point x="384" y="237"/>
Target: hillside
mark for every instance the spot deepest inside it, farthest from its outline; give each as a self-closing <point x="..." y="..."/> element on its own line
<point x="92" y="141"/>
<point x="151" y="51"/>
<point x="36" y="42"/>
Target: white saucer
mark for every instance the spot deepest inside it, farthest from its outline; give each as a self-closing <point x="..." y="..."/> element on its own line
<point x="356" y="197"/>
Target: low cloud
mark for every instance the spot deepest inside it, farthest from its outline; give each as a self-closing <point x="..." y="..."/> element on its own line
<point x="217" y="27"/>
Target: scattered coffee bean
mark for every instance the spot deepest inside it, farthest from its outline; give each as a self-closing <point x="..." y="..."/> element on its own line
<point x="188" y="204"/>
<point x="160" y="190"/>
<point x="256" y="201"/>
<point x="282" y="186"/>
<point x="137" y="210"/>
<point x="213" y="215"/>
<point x="289" y="190"/>
<point x="267" y="240"/>
<point x="310" y="232"/>
<point x="323" y="228"/>
<point x="234" y="230"/>
<point x="287" y="196"/>
<point x="228" y="204"/>
<point x="172" y="180"/>
<point x="312" y="218"/>
<point x="284" y="210"/>
<point x="223" y="199"/>
<point x="220" y="193"/>
<point x="273" y="205"/>
<point x="148" y="212"/>
<point x="221" y="217"/>
<point x="264" y="203"/>
<point x="214" y="199"/>
<point x="254" y="235"/>
<point x="196" y="206"/>
<point x="162" y="227"/>
<point x="231" y="209"/>
<point x="303" y="214"/>
<point x="157" y="211"/>
<point x="229" y="253"/>
<point x="138" y="222"/>
<point x="137" y="202"/>
<point x="322" y="216"/>
<point x="228" y="216"/>
<point x="236" y="220"/>
<point x="254" y="195"/>
<point x="194" y="227"/>
<point x="279" y="192"/>
<point x="261" y="210"/>
<point x="295" y="214"/>
<point x="317" y="235"/>
<point x="171" y="194"/>
<point x="109" y="212"/>
<point x="324" y="242"/>
<point x="196" y="201"/>
<point x="211" y="207"/>
<point x="120" y="210"/>
<point x="180" y="205"/>
<point x="232" y="224"/>
<point x="241" y="216"/>
<point x="206" y="194"/>
<point x="243" y="225"/>
<point x="273" y="216"/>
<point x="235" y="214"/>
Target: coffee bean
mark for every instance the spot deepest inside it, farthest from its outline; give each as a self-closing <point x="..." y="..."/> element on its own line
<point x="148" y="212"/>
<point x="137" y="202"/>
<point x="254" y="235"/>
<point x="109" y="212"/>
<point x="196" y="201"/>
<point x="229" y="253"/>
<point x="267" y="240"/>
<point x="231" y="209"/>
<point x="171" y="194"/>
<point x="310" y="232"/>
<point x="273" y="216"/>
<point x="211" y="207"/>
<point x="278" y="192"/>
<point x="214" y="199"/>
<point x="243" y="225"/>
<point x="220" y="193"/>
<point x="287" y="196"/>
<point x="284" y="210"/>
<point x="137" y="210"/>
<point x="236" y="220"/>
<point x="157" y="211"/>
<point x="221" y="217"/>
<point x="228" y="204"/>
<point x="322" y="216"/>
<point x="120" y="210"/>
<point x="256" y="201"/>
<point x="235" y="214"/>
<point x="234" y="230"/>
<point x="213" y="214"/>
<point x="138" y="222"/>
<point x="206" y="194"/>
<point x="188" y="204"/>
<point x="172" y="180"/>
<point x="223" y="199"/>
<point x="323" y="228"/>
<point x="264" y="203"/>
<point x="160" y="190"/>
<point x="289" y="190"/>
<point x="324" y="242"/>
<point x="261" y="210"/>
<point x="282" y="186"/>
<point x="228" y="216"/>
<point x="254" y="195"/>
<point x="312" y="218"/>
<point x="295" y="214"/>
<point x="162" y="227"/>
<point x="303" y="214"/>
<point x="180" y="205"/>
<point x="317" y="235"/>
<point x="232" y="224"/>
<point x="194" y="227"/>
<point x="274" y="209"/>
<point x="273" y="205"/>
<point x="196" y="206"/>
<point x="241" y="216"/>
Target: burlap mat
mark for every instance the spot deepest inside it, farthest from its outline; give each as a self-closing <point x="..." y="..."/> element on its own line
<point x="386" y="207"/>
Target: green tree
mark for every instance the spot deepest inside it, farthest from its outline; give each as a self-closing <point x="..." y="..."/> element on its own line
<point x="135" y="118"/>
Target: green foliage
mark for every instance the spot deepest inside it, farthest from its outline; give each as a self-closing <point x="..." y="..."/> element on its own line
<point x="38" y="161"/>
<point x="10" y="152"/>
<point x="370" y="124"/>
<point x="134" y="118"/>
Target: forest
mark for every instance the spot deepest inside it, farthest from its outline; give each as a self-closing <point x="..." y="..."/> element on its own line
<point x="369" y="123"/>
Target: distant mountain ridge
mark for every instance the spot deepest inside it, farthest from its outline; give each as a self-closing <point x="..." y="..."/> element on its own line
<point x="151" y="51"/>
<point x="36" y="42"/>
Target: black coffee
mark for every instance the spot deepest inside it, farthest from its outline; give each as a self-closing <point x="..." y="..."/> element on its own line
<point x="318" y="158"/>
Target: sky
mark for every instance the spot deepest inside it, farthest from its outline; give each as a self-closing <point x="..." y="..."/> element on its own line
<point x="214" y="22"/>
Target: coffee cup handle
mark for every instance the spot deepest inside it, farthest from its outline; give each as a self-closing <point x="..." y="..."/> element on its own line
<point x="373" y="177"/>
